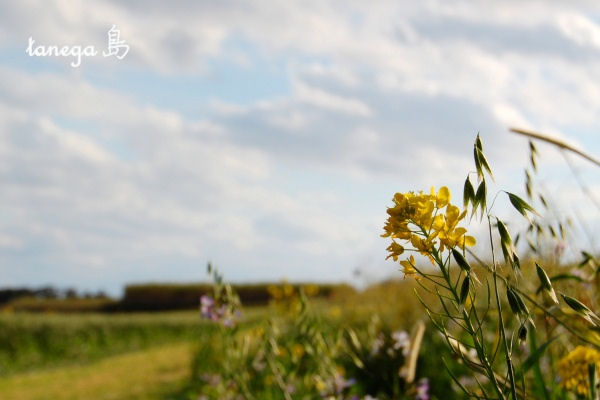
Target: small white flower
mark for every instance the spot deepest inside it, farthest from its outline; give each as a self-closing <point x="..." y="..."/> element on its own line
<point x="401" y="341"/>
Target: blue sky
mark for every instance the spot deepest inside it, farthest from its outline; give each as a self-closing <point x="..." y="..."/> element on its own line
<point x="270" y="137"/>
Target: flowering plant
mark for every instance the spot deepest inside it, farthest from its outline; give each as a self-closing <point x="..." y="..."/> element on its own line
<point x="429" y="225"/>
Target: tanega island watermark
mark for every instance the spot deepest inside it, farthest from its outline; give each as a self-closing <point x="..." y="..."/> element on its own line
<point x="116" y="47"/>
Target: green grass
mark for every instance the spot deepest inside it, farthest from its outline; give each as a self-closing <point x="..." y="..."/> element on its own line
<point x="34" y="341"/>
<point x="168" y="355"/>
<point x="156" y="373"/>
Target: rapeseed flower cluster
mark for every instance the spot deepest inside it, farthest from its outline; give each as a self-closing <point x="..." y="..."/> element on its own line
<point x="573" y="369"/>
<point x="428" y="222"/>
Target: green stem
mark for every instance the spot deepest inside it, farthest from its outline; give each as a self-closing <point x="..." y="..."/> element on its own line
<point x="511" y="372"/>
<point x="469" y="328"/>
<point x="536" y="304"/>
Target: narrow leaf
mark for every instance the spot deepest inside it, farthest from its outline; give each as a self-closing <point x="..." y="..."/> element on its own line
<point x="546" y="284"/>
<point x="464" y="290"/>
<point x="485" y="164"/>
<point x="528" y="184"/>
<point x="481" y="196"/>
<point x="460" y="260"/>
<point x="520" y="205"/>
<point x="522" y="333"/>
<point x="468" y="192"/>
<point x="575" y="304"/>
<point x="562" y="277"/>
<point x="512" y="301"/>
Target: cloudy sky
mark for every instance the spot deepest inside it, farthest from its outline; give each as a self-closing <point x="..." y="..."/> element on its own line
<point x="267" y="136"/>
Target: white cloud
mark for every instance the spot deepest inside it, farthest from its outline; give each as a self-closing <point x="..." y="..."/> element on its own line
<point x="380" y="95"/>
<point x="321" y="98"/>
<point x="580" y="29"/>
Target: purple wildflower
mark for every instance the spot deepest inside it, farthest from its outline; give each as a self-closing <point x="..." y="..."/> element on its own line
<point x="221" y="314"/>
<point x="422" y="389"/>
<point x="207" y="305"/>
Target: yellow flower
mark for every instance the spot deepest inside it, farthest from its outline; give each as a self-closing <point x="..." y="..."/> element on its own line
<point x="573" y="369"/>
<point x="425" y="246"/>
<point x="395" y="250"/>
<point x="409" y="266"/>
<point x="428" y="222"/>
<point x="443" y="197"/>
<point x="450" y="236"/>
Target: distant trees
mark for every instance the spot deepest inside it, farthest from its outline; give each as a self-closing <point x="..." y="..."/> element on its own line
<point x="47" y="292"/>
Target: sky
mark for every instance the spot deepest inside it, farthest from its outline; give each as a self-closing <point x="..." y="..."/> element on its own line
<point x="269" y="137"/>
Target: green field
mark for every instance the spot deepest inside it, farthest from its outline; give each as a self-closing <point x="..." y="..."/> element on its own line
<point x="154" y="373"/>
<point x="170" y="355"/>
<point x="34" y="341"/>
<point x="355" y="344"/>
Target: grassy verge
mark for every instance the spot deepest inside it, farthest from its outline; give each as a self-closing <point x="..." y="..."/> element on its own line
<point x="34" y="341"/>
<point x="155" y="373"/>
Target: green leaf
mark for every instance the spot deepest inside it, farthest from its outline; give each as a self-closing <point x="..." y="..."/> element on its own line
<point x="575" y="304"/>
<point x="478" y="144"/>
<point x="516" y="262"/>
<point x="480" y="160"/>
<point x="481" y="197"/>
<point x="505" y="242"/>
<point x="468" y="193"/>
<point x="512" y="301"/>
<point x="532" y="153"/>
<point x="582" y="310"/>
<point x="544" y="280"/>
<point x="460" y="260"/>
<point x="464" y="289"/>
<point x="522" y="306"/>
<point x="520" y="205"/>
<point x="545" y="283"/>
<point x="476" y="153"/>
<point x="532" y="147"/>
<point x="504" y="235"/>
<point x="484" y="163"/>
<point x="562" y="277"/>
<point x="528" y="184"/>
<point x="522" y="333"/>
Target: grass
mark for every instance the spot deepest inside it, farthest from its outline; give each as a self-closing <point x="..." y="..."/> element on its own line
<point x="34" y="341"/>
<point x="155" y="373"/>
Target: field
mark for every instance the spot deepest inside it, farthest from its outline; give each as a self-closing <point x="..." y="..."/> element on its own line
<point x="160" y="355"/>
<point x="288" y="349"/>
<point x="158" y="372"/>
<point x="33" y="341"/>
